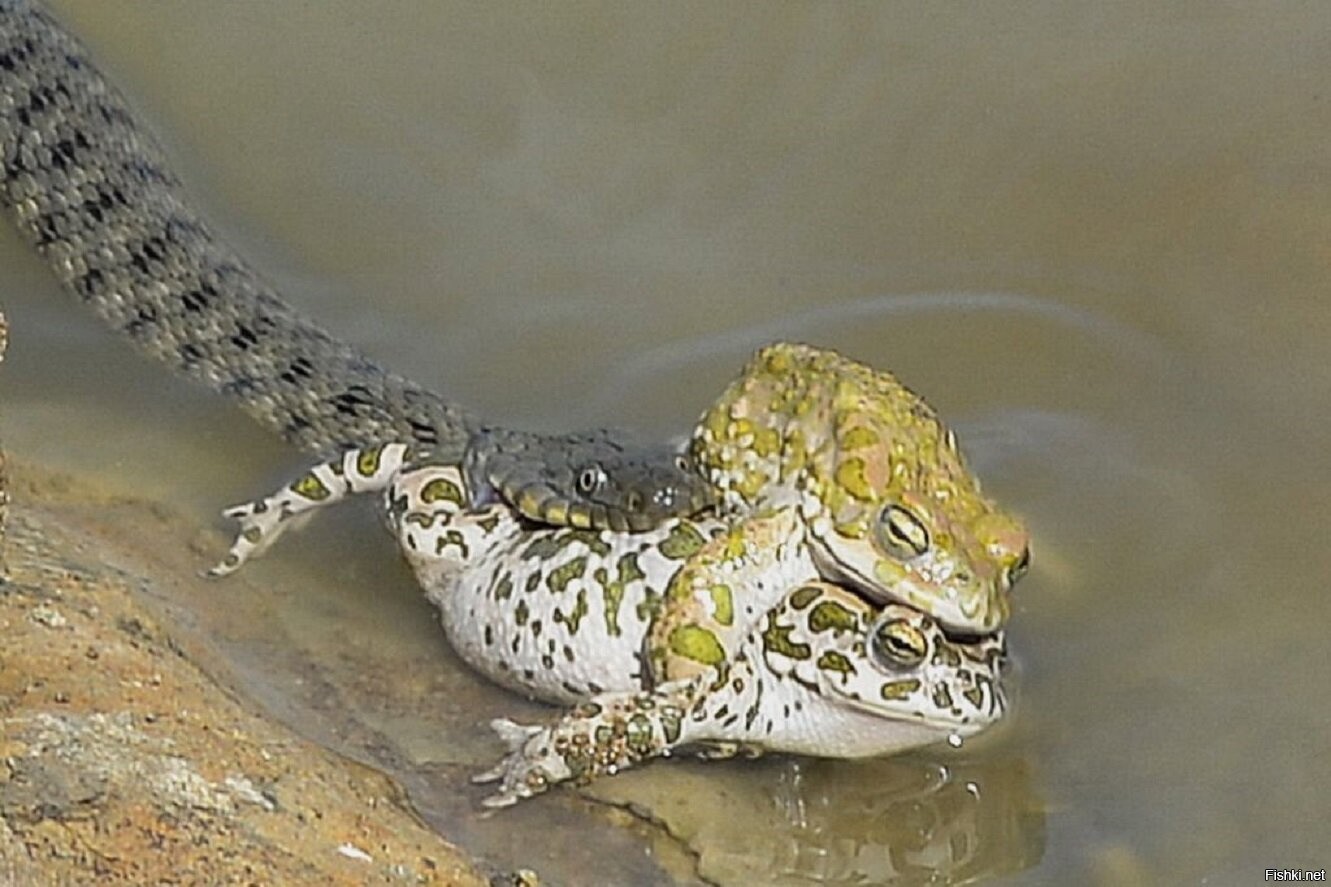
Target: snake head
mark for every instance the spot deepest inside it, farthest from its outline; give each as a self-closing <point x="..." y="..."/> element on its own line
<point x="634" y="490"/>
<point x="590" y="480"/>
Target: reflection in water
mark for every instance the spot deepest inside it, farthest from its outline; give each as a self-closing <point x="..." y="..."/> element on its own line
<point x="916" y="819"/>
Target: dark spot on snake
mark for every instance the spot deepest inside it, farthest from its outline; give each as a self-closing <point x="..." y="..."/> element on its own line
<point x="199" y="299"/>
<point x="297" y="371"/>
<point x="62" y="153"/>
<point x="189" y="355"/>
<point x="89" y="284"/>
<point x="245" y="338"/>
<point x="424" y="431"/>
<point x="144" y="318"/>
<point x="351" y="401"/>
<point x="154" y="247"/>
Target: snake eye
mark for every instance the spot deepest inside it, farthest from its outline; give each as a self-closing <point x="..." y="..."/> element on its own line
<point x="897" y="644"/>
<point x="590" y="479"/>
<point x="900" y="533"/>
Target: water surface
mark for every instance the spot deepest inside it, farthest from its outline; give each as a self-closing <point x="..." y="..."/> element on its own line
<point x="1095" y="237"/>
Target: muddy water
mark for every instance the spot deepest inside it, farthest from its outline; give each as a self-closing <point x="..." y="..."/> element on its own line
<point x="1096" y="238"/>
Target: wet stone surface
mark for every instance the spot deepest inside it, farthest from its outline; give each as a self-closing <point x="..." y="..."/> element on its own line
<point x="121" y="761"/>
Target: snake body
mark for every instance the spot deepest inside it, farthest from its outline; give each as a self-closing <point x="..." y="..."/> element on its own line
<point x="93" y="192"/>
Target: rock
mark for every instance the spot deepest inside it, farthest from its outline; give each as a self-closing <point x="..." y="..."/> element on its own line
<point x="121" y="761"/>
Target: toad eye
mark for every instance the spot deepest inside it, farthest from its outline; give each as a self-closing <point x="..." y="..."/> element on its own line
<point x="900" y="533"/>
<point x="590" y="479"/>
<point x="896" y="644"/>
<point x="683" y="463"/>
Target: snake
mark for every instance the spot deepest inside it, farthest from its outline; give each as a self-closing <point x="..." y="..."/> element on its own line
<point x="92" y="191"/>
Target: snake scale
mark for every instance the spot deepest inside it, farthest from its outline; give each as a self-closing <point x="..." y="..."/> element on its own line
<point x="93" y="192"/>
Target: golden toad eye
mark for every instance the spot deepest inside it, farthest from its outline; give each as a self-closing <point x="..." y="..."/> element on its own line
<point x="897" y="644"/>
<point x="590" y="479"/>
<point x="900" y="533"/>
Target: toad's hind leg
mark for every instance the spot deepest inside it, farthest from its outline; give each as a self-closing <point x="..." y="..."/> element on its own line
<point x="609" y="733"/>
<point x="264" y="520"/>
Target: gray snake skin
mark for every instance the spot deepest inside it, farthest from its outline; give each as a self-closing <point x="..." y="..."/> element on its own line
<point x="94" y="194"/>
